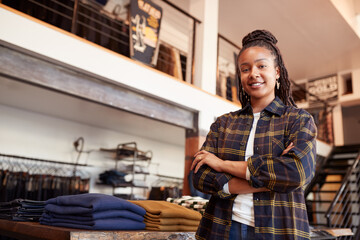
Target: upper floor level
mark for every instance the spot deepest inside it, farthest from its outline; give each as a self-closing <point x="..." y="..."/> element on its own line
<point x="193" y="64"/>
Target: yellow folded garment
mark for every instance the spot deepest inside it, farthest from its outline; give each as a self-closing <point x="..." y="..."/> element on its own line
<point x="163" y="209"/>
<point x="170" y="227"/>
<point x="171" y="221"/>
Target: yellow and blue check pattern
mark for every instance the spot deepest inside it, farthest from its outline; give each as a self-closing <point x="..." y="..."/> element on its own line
<point x="281" y="212"/>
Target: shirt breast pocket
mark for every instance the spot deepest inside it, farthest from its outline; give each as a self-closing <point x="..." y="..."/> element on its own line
<point x="280" y="142"/>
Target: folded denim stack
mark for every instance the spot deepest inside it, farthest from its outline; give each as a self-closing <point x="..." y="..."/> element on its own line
<point x="196" y="203"/>
<point x="113" y="177"/>
<point x="166" y="216"/>
<point x="93" y="211"/>
<point x="22" y="210"/>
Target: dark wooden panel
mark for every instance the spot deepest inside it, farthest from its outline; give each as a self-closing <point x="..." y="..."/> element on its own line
<point x="36" y="231"/>
<point x="22" y="66"/>
<point x="32" y="231"/>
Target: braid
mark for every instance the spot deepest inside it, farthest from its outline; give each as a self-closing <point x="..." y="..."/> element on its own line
<point x="263" y="38"/>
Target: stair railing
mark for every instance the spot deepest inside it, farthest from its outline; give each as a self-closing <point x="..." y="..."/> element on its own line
<point x="344" y="210"/>
<point x="320" y="163"/>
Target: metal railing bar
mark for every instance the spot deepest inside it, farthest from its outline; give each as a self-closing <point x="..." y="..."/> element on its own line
<point x="182" y="11"/>
<point x="341" y="189"/>
<point x="229" y="41"/>
<point x="172" y="61"/>
<point x="50" y="9"/>
<point x="104" y="34"/>
<point x="97" y="11"/>
<point x="347" y="216"/>
<point x="343" y="204"/>
<point x="63" y="5"/>
<point x="101" y="24"/>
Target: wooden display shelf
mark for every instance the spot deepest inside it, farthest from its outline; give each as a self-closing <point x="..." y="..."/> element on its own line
<point x="36" y="231"/>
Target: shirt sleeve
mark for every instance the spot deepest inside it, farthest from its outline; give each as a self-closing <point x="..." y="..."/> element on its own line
<point x="226" y="188"/>
<point x="206" y="179"/>
<point x="292" y="170"/>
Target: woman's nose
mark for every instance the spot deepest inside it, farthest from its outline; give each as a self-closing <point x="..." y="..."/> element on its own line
<point x="254" y="73"/>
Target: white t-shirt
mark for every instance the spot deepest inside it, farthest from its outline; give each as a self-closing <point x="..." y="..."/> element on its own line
<point x="243" y="208"/>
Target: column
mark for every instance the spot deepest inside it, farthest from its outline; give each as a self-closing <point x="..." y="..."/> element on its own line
<point x="206" y="43"/>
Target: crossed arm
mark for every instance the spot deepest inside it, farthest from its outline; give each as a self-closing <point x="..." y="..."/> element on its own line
<point x="238" y="184"/>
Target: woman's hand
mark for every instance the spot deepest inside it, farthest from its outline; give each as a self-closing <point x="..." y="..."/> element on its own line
<point x="203" y="157"/>
<point x="291" y="145"/>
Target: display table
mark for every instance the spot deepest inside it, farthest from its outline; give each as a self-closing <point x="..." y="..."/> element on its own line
<point x="36" y="231"/>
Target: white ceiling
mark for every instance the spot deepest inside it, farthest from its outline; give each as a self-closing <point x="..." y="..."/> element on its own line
<point x="315" y="40"/>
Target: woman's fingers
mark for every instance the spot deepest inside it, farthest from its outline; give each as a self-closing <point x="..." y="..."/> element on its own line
<point x="200" y="152"/>
<point x="197" y="158"/>
<point x="291" y="145"/>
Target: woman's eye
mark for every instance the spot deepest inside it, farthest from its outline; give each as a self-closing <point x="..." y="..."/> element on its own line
<point x="262" y="66"/>
<point x="244" y="69"/>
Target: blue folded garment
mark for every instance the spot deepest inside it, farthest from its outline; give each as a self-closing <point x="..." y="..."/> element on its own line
<point x="90" y="202"/>
<point x="49" y="219"/>
<point x="97" y="215"/>
<point x="102" y="224"/>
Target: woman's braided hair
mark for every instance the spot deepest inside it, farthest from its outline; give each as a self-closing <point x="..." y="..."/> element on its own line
<point x="263" y="38"/>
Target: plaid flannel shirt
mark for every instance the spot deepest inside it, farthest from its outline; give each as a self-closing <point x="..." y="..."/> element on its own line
<point x="279" y="213"/>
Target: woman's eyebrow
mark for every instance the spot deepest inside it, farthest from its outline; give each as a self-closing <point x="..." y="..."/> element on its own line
<point x="257" y="60"/>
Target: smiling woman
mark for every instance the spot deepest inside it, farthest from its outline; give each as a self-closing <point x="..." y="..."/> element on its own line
<point x="258" y="75"/>
<point x="256" y="161"/>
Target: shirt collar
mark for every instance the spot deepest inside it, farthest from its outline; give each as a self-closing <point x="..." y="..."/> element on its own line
<point x="276" y="107"/>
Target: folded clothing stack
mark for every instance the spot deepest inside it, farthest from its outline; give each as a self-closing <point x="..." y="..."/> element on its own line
<point x="113" y="177"/>
<point x="166" y="216"/>
<point x="93" y="211"/>
<point x="196" y="203"/>
<point x="22" y="210"/>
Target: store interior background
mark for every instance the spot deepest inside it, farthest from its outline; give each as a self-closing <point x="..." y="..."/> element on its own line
<point x="317" y="39"/>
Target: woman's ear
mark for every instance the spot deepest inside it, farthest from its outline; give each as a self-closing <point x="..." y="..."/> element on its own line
<point x="277" y="69"/>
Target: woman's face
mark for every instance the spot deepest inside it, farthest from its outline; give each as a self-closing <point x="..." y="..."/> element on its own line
<point x="258" y="73"/>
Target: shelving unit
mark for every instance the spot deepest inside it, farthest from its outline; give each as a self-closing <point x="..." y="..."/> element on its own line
<point x="135" y="162"/>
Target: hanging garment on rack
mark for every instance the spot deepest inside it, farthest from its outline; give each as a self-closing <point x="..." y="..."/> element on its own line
<point x="38" y="187"/>
<point x="162" y="193"/>
<point x="102" y="212"/>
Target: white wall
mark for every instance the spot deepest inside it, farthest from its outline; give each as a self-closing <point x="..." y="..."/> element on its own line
<point x="31" y="134"/>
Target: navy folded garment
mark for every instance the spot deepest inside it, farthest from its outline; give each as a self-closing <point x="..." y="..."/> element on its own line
<point x="48" y="218"/>
<point x="13" y="203"/>
<point x="102" y="224"/>
<point x="90" y="202"/>
<point x="6" y="216"/>
<point x="98" y="215"/>
<point x="24" y="218"/>
<point x="9" y="210"/>
<point x="31" y="210"/>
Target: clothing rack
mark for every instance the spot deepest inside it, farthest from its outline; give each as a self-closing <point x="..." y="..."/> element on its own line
<point x="39" y="179"/>
<point x="167" y="181"/>
<point x="42" y="160"/>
